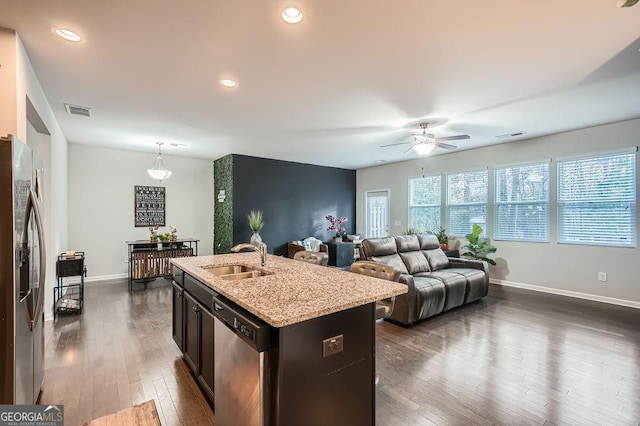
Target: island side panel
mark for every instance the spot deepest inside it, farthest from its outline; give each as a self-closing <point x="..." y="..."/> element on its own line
<point x="310" y="389"/>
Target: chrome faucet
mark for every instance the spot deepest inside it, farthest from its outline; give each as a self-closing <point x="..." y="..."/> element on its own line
<point x="261" y="249"/>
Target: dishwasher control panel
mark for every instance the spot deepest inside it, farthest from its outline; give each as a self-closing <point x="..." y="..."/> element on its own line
<point x="239" y="326"/>
<point x="247" y="326"/>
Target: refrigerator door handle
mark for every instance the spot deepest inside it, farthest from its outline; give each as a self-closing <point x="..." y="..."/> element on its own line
<point x="33" y="206"/>
<point x="24" y="295"/>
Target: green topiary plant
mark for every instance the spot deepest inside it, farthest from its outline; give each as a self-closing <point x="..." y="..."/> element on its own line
<point x="478" y="248"/>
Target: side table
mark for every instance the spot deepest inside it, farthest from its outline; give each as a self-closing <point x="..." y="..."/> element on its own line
<point x="340" y="254"/>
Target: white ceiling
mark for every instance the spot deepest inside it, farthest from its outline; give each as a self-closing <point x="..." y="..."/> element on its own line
<point x="352" y="76"/>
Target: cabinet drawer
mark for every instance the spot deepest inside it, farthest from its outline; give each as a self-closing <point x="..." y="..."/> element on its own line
<point x="178" y="276"/>
<point x="202" y="293"/>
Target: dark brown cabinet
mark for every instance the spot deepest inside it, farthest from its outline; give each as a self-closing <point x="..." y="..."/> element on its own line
<point x="178" y="309"/>
<point x="191" y="332"/>
<point x="198" y="342"/>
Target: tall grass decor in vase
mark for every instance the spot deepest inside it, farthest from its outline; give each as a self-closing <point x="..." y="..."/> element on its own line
<point x="256" y="223"/>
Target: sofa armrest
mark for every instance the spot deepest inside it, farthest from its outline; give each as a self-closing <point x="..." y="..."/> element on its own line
<point x="292" y="249"/>
<point x="456" y="262"/>
<point x="408" y="280"/>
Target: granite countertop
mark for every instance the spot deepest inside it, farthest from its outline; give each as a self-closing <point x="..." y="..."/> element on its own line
<point x="295" y="291"/>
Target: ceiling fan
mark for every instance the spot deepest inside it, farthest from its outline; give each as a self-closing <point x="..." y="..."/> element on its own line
<point x="426" y="142"/>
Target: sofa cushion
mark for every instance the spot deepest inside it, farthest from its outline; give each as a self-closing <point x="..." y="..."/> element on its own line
<point x="379" y="247"/>
<point x="407" y="243"/>
<point x="415" y="262"/>
<point x="436" y="258"/>
<point x="430" y="297"/>
<point x="455" y="286"/>
<point x="391" y="260"/>
<point x="428" y="242"/>
<point x="477" y="283"/>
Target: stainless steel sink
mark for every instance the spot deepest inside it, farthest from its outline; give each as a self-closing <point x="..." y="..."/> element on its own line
<point x="235" y="272"/>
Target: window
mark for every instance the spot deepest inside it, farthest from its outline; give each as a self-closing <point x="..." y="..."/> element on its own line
<point x="424" y="203"/>
<point x="597" y="200"/>
<point x="521" y="203"/>
<point x="466" y="202"/>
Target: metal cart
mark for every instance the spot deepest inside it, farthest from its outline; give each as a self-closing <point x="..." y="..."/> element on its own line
<point x="68" y="295"/>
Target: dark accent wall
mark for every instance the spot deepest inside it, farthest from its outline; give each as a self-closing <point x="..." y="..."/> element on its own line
<point x="294" y="197"/>
<point x="223" y="211"/>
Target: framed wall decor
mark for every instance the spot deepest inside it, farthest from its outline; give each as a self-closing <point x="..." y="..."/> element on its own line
<point x="149" y="206"/>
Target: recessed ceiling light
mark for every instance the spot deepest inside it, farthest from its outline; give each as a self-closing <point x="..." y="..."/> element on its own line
<point x="292" y="15"/>
<point x="228" y="83"/>
<point x="67" y="34"/>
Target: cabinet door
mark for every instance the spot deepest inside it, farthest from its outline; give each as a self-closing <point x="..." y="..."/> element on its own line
<point x="191" y="331"/>
<point x="205" y="376"/>
<point x="178" y="320"/>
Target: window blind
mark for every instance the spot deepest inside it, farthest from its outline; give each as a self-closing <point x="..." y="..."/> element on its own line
<point x="424" y="203"/>
<point x="521" y="202"/>
<point x="466" y="202"/>
<point x="597" y="200"/>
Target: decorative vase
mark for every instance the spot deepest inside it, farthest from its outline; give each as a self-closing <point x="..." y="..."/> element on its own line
<point x="255" y="240"/>
<point x="444" y="246"/>
<point x="337" y="239"/>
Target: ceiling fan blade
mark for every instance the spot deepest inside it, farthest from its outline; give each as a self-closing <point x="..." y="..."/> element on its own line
<point x="395" y="144"/>
<point x="408" y="149"/>
<point x="444" y="145"/>
<point x="454" y="138"/>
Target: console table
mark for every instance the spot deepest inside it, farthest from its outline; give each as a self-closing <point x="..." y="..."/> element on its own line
<point x="148" y="261"/>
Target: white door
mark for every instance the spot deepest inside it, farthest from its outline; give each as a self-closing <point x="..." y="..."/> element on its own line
<point x="377" y="213"/>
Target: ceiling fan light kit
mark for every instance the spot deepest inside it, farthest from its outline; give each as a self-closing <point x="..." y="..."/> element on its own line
<point x="424" y="143"/>
<point x="424" y="149"/>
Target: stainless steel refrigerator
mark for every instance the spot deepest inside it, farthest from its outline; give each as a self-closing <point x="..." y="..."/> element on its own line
<point x="22" y="274"/>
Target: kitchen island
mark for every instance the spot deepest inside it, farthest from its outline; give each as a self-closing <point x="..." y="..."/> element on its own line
<point x="288" y="344"/>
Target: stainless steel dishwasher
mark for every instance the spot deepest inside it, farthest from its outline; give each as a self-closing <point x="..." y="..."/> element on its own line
<point x="241" y="366"/>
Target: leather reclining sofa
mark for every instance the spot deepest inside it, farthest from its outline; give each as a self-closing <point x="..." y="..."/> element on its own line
<point x="436" y="283"/>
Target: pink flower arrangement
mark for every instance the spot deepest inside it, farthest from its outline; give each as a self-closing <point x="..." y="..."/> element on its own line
<point x="336" y="224"/>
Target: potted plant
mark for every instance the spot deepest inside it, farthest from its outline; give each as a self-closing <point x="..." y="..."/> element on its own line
<point x="443" y="239"/>
<point x="256" y="223"/>
<point x="154" y="234"/>
<point x="336" y="225"/>
<point x="478" y="248"/>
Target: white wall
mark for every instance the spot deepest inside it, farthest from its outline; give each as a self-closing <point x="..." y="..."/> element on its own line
<point x="17" y="82"/>
<point x="101" y="204"/>
<point x="563" y="268"/>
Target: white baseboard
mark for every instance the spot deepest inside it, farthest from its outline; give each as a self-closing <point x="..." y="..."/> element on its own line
<point x="98" y="278"/>
<point x="560" y="292"/>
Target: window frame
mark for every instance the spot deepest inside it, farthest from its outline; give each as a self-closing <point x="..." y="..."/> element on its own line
<point x="495" y="207"/>
<point x="562" y="238"/>
<point x="410" y="206"/>
<point x="447" y="217"/>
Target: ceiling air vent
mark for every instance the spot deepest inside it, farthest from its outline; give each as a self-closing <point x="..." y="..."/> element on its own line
<point x="510" y="135"/>
<point x="78" y="110"/>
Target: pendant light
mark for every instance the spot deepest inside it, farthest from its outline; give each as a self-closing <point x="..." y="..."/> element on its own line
<point x="159" y="171"/>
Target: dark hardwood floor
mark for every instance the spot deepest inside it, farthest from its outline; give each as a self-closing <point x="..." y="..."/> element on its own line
<point x="516" y="357"/>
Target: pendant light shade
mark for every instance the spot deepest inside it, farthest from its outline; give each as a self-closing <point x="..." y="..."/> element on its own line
<point x="159" y="171"/>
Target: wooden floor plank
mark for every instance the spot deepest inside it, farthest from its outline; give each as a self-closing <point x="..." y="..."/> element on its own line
<point x="515" y="357"/>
